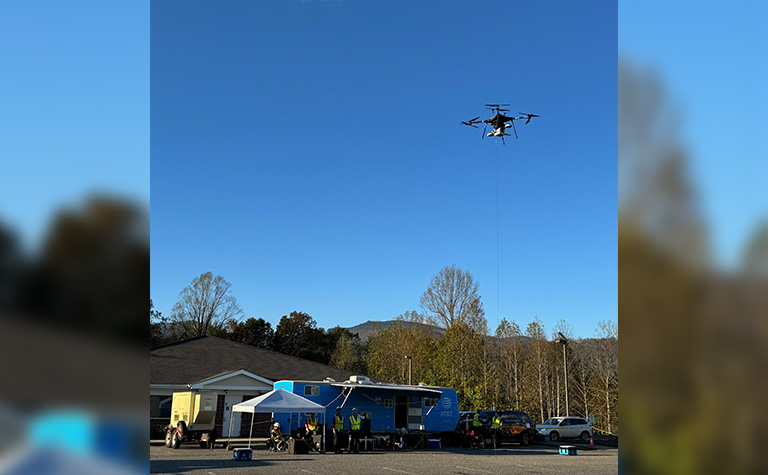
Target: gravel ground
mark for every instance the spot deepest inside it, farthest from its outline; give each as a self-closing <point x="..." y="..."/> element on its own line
<point x="534" y="459"/>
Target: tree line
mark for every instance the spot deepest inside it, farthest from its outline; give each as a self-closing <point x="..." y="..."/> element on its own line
<point x="520" y="368"/>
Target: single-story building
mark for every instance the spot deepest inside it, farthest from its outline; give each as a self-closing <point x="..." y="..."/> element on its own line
<point x="235" y="371"/>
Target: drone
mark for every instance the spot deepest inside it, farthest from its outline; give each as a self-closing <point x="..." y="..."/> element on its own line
<point x="499" y="121"/>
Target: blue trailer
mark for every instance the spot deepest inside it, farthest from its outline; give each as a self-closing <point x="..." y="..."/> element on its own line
<point x="391" y="407"/>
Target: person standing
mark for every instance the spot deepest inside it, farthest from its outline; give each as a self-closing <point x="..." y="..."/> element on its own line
<point x="338" y="431"/>
<point x="354" y="430"/>
<point x="496" y="429"/>
<point x="477" y="429"/>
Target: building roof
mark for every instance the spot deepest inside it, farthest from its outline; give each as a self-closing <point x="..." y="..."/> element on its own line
<point x="197" y="359"/>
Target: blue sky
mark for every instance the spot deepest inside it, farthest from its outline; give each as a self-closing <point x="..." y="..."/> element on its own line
<point x="311" y="153"/>
<point x="75" y="108"/>
<point x="710" y="58"/>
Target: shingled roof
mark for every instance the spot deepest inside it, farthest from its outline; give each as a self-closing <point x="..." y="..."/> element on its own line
<point x="197" y="359"/>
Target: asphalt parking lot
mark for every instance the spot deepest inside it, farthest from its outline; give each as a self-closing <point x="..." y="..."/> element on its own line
<point x="534" y="459"/>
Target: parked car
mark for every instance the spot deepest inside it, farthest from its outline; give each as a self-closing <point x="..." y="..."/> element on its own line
<point x="516" y="426"/>
<point x="557" y="428"/>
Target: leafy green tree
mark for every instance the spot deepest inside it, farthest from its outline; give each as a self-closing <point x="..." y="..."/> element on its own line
<point x="460" y="364"/>
<point x="297" y="334"/>
<point x="157" y="323"/>
<point x="411" y="316"/>
<point x="535" y="331"/>
<point x="511" y="360"/>
<point x="387" y="349"/>
<point x="607" y="366"/>
<point x="254" y="331"/>
<point x="347" y="355"/>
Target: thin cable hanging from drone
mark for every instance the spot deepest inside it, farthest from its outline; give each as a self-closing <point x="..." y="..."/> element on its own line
<point x="500" y="123"/>
<point x="498" y="288"/>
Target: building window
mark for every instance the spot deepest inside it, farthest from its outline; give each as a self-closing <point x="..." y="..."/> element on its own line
<point x="311" y="390"/>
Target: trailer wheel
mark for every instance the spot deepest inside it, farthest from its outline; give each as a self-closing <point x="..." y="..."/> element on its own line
<point x="175" y="440"/>
<point x="182" y="426"/>
<point x="168" y="435"/>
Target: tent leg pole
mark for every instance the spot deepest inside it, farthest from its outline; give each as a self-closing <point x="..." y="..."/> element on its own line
<point x="231" y="417"/>
<point x="251" y="433"/>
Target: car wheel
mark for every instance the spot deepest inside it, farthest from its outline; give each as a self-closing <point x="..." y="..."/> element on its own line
<point x="524" y="438"/>
<point x="554" y="436"/>
<point x="585" y="436"/>
<point x="168" y="435"/>
<point x="175" y="440"/>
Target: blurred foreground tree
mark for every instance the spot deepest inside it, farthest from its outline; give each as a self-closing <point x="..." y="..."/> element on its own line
<point x="93" y="271"/>
<point x="204" y="306"/>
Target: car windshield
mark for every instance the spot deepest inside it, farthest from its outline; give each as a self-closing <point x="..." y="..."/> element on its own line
<point x="551" y="422"/>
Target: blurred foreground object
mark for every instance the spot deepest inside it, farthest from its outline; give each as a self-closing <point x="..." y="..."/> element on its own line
<point x="93" y="271"/>
<point x="693" y="351"/>
<point x="76" y="443"/>
<point x="48" y="372"/>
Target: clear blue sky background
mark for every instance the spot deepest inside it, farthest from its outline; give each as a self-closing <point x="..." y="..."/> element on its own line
<point x="710" y="58"/>
<point x="74" y="108"/>
<point x="312" y="155"/>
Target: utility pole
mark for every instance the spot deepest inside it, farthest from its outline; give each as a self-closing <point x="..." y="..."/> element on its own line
<point x="564" y="342"/>
<point x="410" y="367"/>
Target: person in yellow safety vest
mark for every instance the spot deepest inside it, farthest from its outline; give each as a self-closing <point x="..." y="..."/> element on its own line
<point x="496" y="429"/>
<point x="338" y="431"/>
<point x="354" y="429"/>
<point x="476" y="421"/>
<point x="477" y="426"/>
<point x="275" y="436"/>
<point x="311" y="424"/>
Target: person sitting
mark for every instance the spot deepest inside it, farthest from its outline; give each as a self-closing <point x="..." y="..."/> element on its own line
<point x="311" y="424"/>
<point x="310" y="431"/>
<point x="276" y="440"/>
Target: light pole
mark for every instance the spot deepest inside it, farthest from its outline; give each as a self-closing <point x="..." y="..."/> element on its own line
<point x="564" y="341"/>
<point x="410" y="366"/>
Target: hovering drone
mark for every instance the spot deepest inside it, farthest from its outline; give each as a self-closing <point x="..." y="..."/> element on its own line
<point x="499" y="121"/>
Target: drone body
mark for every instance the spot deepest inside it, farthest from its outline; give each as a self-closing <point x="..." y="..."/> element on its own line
<point x="499" y="121"/>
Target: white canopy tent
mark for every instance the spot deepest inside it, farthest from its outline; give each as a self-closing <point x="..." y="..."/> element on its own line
<point x="278" y="400"/>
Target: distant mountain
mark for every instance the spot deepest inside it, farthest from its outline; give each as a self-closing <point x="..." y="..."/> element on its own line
<point x="367" y="329"/>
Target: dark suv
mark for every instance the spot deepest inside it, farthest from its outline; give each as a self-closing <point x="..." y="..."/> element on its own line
<point x="516" y="426"/>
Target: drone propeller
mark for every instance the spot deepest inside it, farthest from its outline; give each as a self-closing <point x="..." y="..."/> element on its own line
<point x="528" y="116"/>
<point x="471" y="122"/>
